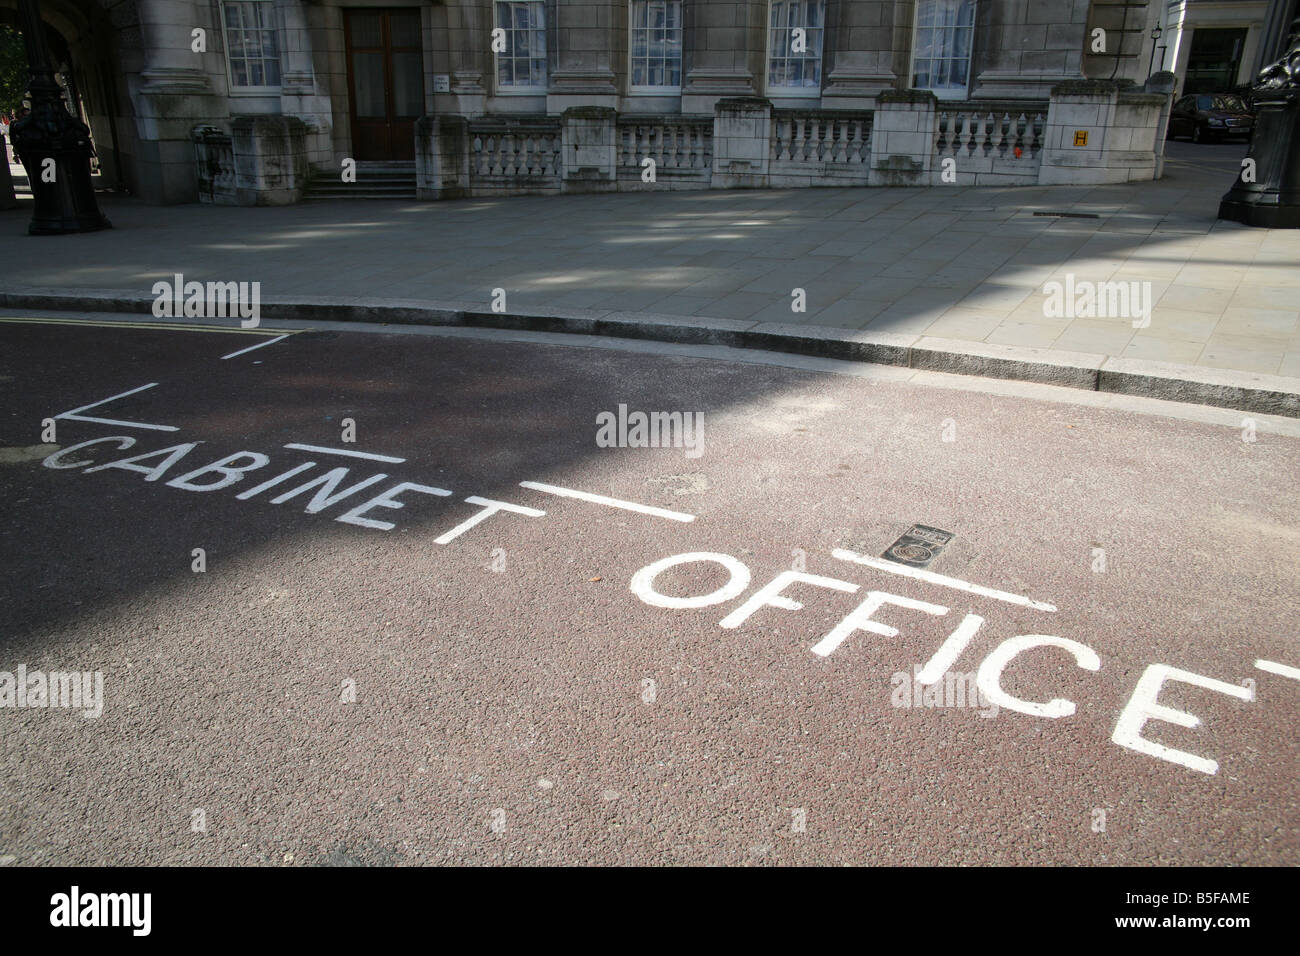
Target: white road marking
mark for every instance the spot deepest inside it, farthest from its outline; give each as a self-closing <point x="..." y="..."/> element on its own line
<point x="257" y="346"/>
<point x="490" y="507"/>
<point x="76" y="416"/>
<point x="1281" y="670"/>
<point x="345" y="451"/>
<point x="271" y="483"/>
<point x="770" y="595"/>
<point x="921" y="574"/>
<point x="859" y="619"/>
<point x="989" y="676"/>
<point x="1142" y="706"/>
<point x="643" y="582"/>
<point x="602" y="500"/>
<point x="949" y="651"/>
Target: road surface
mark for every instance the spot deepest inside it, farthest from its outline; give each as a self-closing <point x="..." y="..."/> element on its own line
<point x="381" y="596"/>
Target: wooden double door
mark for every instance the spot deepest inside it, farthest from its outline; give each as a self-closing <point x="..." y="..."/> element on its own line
<point x="385" y="81"/>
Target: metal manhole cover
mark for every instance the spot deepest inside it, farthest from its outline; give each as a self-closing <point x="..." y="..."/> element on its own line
<point x="918" y="546"/>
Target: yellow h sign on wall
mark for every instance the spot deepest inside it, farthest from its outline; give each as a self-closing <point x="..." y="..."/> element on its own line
<point x="1080" y="137"/>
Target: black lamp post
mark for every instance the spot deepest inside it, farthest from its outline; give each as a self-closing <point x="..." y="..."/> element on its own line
<point x="53" y="145"/>
<point x="1270" y="196"/>
<point x="1155" y="38"/>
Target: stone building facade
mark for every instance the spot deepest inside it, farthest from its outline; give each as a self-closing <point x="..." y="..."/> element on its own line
<point x="248" y="100"/>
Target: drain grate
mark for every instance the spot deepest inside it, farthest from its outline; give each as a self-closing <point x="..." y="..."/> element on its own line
<point x="918" y="546"/>
<point x="1070" y="215"/>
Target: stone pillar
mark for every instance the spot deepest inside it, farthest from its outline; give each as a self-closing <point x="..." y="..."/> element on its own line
<point x="171" y="65"/>
<point x="742" y="137"/>
<point x="861" y="63"/>
<point x="469" y="26"/>
<point x="589" y="156"/>
<point x="441" y="157"/>
<point x="1025" y="47"/>
<point x="299" y="95"/>
<point x="1128" y="26"/>
<point x="903" y="132"/>
<point x="725" y="43"/>
<point x="175" y="95"/>
<point x="584" y="45"/>
<point x="270" y="155"/>
<point x="1099" y="132"/>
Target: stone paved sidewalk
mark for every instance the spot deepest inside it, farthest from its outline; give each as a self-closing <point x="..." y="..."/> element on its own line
<point x="957" y="263"/>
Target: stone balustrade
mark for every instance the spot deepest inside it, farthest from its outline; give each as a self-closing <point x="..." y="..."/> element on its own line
<point x="681" y="147"/>
<point x="1091" y="131"/>
<point x="989" y="144"/>
<point x="261" y="161"/>
<point x="820" y="148"/>
<point x="216" y="165"/>
<point x="514" y="156"/>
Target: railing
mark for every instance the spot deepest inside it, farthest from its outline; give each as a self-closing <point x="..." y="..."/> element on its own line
<point x="984" y="131"/>
<point x="829" y="138"/>
<point x="515" y="153"/>
<point x="215" y="156"/>
<point x="681" y="147"/>
<point x="820" y="147"/>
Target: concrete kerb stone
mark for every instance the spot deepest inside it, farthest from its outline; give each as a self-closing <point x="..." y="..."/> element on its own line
<point x="1245" y="391"/>
<point x="1048" y="366"/>
<point x="881" y="348"/>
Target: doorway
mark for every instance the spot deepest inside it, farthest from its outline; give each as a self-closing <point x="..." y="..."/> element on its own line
<point x="385" y="81"/>
<point x="1214" y="60"/>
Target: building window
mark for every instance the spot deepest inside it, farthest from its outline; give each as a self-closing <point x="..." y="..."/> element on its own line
<point x="656" y="45"/>
<point x="941" y="54"/>
<point x="252" y="47"/>
<point x="522" y="64"/>
<point x="794" y="46"/>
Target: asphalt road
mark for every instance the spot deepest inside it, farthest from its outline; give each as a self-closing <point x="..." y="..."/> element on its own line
<point x="331" y="692"/>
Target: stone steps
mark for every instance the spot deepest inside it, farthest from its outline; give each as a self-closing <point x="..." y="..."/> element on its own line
<point x="374" y="181"/>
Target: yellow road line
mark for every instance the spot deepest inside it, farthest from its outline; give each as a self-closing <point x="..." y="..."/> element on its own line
<point x="165" y="326"/>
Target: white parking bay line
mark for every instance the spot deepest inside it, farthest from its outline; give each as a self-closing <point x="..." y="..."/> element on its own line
<point x="257" y="346"/>
<point x="921" y="575"/>
<point x="602" y="500"/>
<point x="346" y="452"/>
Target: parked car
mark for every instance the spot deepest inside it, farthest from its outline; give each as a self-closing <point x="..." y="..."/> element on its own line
<point x="1209" y="117"/>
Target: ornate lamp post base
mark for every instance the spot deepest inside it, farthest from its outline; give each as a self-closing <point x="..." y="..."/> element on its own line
<point x="1267" y="191"/>
<point x="54" y="146"/>
<point x="1273" y="199"/>
<point x="67" y="204"/>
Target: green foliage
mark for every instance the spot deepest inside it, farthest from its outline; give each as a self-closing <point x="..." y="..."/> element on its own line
<point x="13" y="70"/>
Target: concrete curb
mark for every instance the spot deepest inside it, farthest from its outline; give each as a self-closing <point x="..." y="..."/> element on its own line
<point x="1244" y="391"/>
